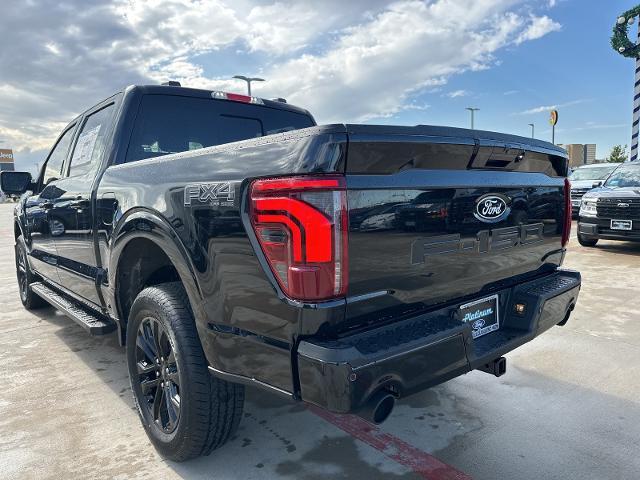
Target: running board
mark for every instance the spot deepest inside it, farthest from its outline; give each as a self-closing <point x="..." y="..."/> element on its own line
<point x="91" y="322"/>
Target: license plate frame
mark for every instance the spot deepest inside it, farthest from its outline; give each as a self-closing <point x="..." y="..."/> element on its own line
<point x="625" y="225"/>
<point x="478" y="315"/>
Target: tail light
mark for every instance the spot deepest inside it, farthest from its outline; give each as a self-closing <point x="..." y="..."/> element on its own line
<point x="566" y="231"/>
<point x="301" y="225"/>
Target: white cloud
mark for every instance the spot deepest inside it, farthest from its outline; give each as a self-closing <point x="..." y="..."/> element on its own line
<point x="53" y="48"/>
<point x="543" y="108"/>
<point x="548" y="108"/>
<point x="375" y="67"/>
<point x="537" y="28"/>
<point x="345" y="61"/>
<point x="280" y="28"/>
<point x="457" y="93"/>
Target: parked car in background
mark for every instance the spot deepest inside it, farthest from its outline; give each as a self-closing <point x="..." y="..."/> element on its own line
<point x="583" y="179"/>
<point x="612" y="212"/>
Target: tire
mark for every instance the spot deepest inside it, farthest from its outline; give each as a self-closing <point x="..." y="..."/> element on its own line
<point x="208" y="410"/>
<point x="587" y="242"/>
<point x="30" y="300"/>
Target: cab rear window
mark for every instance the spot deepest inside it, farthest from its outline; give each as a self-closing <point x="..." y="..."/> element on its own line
<point x="169" y="124"/>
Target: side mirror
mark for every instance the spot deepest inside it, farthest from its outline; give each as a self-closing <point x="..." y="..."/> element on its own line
<point x="15" y="183"/>
<point x="597" y="184"/>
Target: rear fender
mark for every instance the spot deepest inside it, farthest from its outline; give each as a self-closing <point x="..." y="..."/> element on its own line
<point x="152" y="226"/>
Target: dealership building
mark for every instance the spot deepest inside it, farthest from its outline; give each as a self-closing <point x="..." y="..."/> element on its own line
<point x="580" y="154"/>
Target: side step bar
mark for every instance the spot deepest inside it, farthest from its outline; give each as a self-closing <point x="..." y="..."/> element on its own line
<point x="91" y="322"/>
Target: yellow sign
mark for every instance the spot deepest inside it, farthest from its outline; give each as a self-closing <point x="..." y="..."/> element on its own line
<point x="553" y="118"/>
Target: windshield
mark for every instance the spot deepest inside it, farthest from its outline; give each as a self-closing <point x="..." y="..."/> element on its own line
<point x="624" y="176"/>
<point x="592" y="173"/>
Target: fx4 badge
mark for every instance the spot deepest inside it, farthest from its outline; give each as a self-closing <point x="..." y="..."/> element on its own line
<point x="214" y="194"/>
<point x="485" y="241"/>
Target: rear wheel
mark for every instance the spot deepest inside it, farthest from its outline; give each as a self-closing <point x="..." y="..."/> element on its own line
<point x="587" y="242"/>
<point x="185" y="411"/>
<point x="26" y="277"/>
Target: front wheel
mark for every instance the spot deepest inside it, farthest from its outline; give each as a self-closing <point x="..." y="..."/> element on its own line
<point x="30" y="300"/>
<point x="587" y="242"/>
<point x="185" y="411"/>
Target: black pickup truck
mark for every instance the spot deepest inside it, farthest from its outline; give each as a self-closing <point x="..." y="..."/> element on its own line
<point x="230" y="241"/>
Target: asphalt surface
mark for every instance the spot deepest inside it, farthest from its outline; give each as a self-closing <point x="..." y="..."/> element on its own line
<point x="568" y="407"/>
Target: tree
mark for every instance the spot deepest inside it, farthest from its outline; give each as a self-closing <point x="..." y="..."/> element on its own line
<point x="618" y="154"/>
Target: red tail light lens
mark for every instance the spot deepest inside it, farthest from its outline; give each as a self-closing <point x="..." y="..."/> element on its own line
<point x="566" y="231"/>
<point x="301" y="225"/>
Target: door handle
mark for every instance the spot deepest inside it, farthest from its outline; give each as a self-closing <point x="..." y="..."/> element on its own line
<point x="47" y="205"/>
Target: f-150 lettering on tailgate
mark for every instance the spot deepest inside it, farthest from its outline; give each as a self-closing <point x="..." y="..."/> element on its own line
<point x="485" y="241"/>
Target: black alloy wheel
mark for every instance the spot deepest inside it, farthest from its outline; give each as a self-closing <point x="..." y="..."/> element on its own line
<point x="185" y="411"/>
<point x="21" y="272"/>
<point x="158" y="375"/>
<point x="30" y="300"/>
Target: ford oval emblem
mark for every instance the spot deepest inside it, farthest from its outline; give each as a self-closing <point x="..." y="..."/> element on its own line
<point x="478" y="324"/>
<point x="492" y="208"/>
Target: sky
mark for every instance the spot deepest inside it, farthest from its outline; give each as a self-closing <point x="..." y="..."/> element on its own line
<point x="405" y="62"/>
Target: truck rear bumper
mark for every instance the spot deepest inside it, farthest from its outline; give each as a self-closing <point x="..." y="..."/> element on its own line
<point x="417" y="353"/>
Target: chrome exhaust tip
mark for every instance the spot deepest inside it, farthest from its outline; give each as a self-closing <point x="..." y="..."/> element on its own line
<point x="378" y="407"/>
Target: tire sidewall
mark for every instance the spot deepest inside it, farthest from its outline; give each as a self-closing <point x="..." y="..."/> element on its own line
<point x="143" y="308"/>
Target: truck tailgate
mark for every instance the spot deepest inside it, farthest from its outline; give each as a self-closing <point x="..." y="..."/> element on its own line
<point x="438" y="214"/>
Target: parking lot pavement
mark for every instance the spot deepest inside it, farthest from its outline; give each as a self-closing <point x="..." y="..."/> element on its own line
<point x="568" y="407"/>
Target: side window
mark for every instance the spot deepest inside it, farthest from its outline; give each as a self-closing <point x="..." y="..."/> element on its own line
<point x="169" y="124"/>
<point x="53" y="167"/>
<point x="91" y="143"/>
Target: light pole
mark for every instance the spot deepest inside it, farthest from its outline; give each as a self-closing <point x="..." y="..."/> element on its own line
<point x="472" y="110"/>
<point x="533" y="129"/>
<point x="249" y="80"/>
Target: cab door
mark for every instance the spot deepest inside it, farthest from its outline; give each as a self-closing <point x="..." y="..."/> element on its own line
<point x="40" y="232"/>
<point x="72" y="213"/>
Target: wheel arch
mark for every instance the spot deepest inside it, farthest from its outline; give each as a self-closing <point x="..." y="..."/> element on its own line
<point x="17" y="231"/>
<point x="146" y="251"/>
<point x="19" y="226"/>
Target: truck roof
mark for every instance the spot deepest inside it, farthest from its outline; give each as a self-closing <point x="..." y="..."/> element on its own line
<point x="201" y="93"/>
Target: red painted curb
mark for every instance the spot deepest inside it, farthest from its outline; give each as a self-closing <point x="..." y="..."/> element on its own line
<point x="398" y="450"/>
